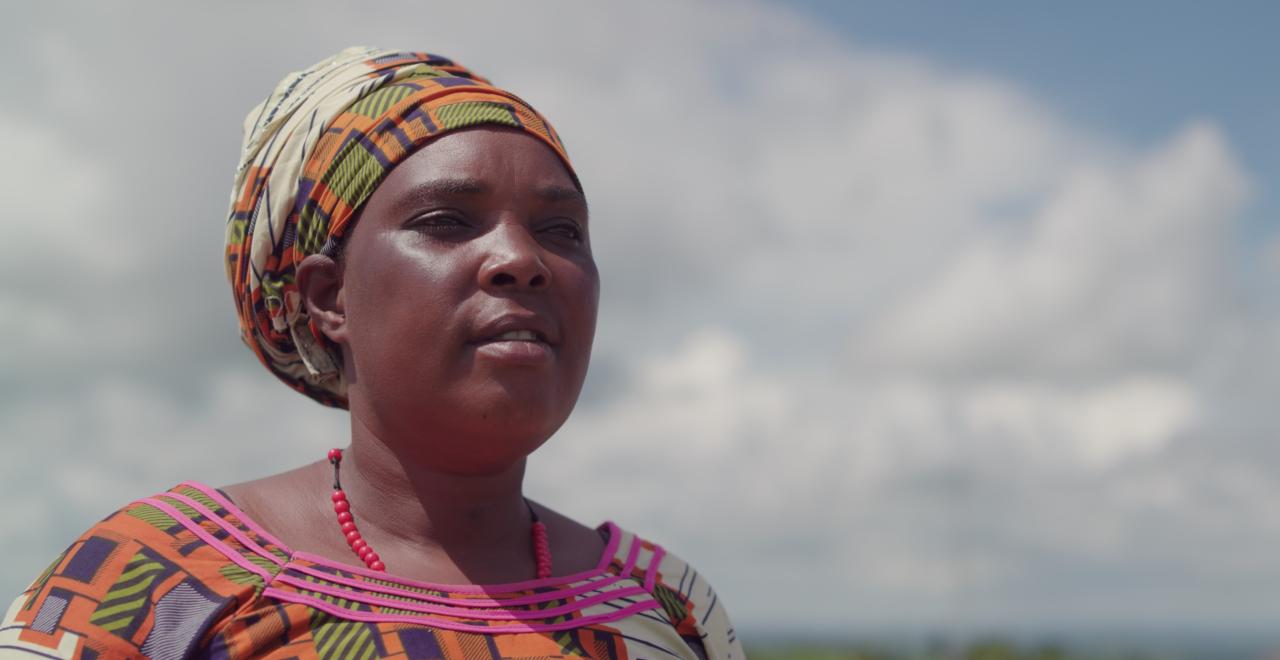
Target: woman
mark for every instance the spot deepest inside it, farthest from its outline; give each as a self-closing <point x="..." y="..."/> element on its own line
<point x="410" y="243"/>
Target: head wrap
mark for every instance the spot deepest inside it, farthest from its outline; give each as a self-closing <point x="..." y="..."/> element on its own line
<point x="313" y="153"/>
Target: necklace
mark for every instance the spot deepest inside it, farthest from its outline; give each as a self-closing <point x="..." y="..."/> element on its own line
<point x="341" y="507"/>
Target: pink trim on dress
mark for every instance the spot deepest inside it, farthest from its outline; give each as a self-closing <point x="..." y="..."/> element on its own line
<point x="231" y="529"/>
<point x="344" y="613"/>
<point x="235" y="510"/>
<point x="632" y="556"/>
<point x="371" y="586"/>
<point x="651" y="574"/>
<point x="194" y="528"/>
<point x="606" y="557"/>
<point x="605" y="560"/>
<point x="625" y="573"/>
<point x="462" y="612"/>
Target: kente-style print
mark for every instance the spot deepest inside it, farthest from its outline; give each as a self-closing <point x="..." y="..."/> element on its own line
<point x="185" y="573"/>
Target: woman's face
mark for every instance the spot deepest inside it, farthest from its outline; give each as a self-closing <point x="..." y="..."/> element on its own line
<point x="470" y="297"/>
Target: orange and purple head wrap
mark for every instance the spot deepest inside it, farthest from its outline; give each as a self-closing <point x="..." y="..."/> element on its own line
<point x="313" y="153"/>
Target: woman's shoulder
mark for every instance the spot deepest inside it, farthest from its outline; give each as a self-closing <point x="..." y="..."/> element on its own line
<point x="151" y="578"/>
<point x="690" y="603"/>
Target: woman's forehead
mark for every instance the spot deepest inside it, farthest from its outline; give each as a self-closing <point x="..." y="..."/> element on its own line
<point x="478" y="162"/>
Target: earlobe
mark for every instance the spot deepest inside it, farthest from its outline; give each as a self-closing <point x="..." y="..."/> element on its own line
<point x="320" y="284"/>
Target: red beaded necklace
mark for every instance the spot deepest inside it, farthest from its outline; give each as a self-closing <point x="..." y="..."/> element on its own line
<point x="541" y="550"/>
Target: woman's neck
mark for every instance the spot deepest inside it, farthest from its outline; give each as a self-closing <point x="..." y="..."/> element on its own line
<point x="417" y="506"/>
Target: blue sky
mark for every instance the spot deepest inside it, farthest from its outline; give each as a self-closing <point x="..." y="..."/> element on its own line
<point x="1134" y="70"/>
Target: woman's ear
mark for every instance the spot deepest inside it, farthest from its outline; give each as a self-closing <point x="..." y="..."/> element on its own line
<point x="319" y="280"/>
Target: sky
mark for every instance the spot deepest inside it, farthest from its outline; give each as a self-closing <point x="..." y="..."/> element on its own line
<point x="912" y="318"/>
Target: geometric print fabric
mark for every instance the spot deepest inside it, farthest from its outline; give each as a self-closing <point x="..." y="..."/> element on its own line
<point x="185" y="573"/>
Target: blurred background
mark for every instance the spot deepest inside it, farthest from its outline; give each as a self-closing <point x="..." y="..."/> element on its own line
<point x="927" y="330"/>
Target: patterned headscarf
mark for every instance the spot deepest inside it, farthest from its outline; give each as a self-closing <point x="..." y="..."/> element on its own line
<point x="313" y="153"/>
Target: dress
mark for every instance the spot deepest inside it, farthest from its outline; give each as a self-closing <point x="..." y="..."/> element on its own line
<point x="187" y="574"/>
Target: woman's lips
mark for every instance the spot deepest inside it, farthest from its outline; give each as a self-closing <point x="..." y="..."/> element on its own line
<point x="517" y="339"/>
<point x="517" y="326"/>
<point x="515" y="351"/>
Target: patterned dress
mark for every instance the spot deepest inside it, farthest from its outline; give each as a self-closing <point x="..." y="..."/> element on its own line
<point x="187" y="574"/>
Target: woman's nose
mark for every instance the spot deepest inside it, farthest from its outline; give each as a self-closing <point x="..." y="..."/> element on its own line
<point x="514" y="260"/>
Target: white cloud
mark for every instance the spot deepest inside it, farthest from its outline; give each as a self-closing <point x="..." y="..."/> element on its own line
<point x="76" y="456"/>
<point x="53" y="199"/>
<point x="693" y="409"/>
<point x="1094" y="429"/>
<point x="889" y="337"/>
<point x="1118" y="262"/>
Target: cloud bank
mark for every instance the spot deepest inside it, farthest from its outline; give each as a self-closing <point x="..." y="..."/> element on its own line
<point x="883" y="343"/>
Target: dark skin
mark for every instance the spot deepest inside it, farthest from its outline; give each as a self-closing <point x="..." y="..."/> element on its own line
<point x="480" y="232"/>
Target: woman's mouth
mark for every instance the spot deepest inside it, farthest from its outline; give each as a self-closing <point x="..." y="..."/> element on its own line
<point x="526" y="347"/>
<point x="519" y="335"/>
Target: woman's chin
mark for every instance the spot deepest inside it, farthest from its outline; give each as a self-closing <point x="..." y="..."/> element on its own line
<point x="516" y="423"/>
<point x="500" y="420"/>
<point x="487" y="448"/>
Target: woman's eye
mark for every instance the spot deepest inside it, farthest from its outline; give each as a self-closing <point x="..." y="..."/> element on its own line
<point x="439" y="224"/>
<point x="566" y="230"/>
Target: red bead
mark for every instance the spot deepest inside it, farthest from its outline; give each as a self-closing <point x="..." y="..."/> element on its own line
<point x="352" y="537"/>
<point x="338" y="495"/>
<point x="371" y="557"/>
<point x="348" y="527"/>
<point x="341" y="505"/>
<point x="376" y="566"/>
<point x="335" y="454"/>
<point x="345" y="516"/>
<point x="358" y="544"/>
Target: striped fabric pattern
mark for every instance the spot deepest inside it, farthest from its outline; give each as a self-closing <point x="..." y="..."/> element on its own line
<point x="125" y="604"/>
<point x="313" y="152"/>
<point x="185" y="573"/>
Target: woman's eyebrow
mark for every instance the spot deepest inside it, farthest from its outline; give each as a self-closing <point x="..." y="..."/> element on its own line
<point x="422" y="194"/>
<point x="455" y="187"/>
<point x="560" y="193"/>
<point x="555" y="193"/>
<point x="441" y="187"/>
